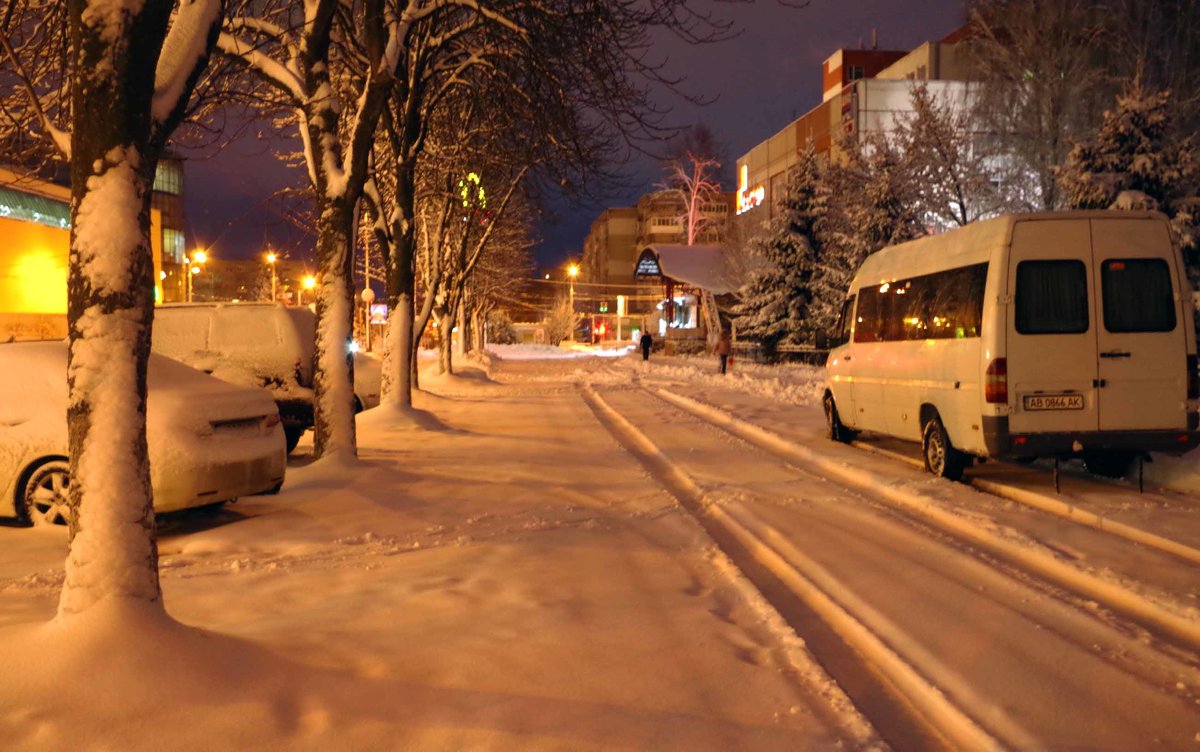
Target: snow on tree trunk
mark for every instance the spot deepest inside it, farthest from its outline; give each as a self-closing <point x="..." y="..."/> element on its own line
<point x="333" y="376"/>
<point x="113" y="553"/>
<point x="397" y="383"/>
<point x="445" y="338"/>
<point x="111" y="289"/>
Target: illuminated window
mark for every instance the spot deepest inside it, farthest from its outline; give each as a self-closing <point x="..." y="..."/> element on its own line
<point x="168" y="178"/>
<point x="173" y="246"/>
<point x="32" y="208"/>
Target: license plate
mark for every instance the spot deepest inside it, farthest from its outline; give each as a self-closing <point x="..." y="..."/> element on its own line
<point x="1053" y="401"/>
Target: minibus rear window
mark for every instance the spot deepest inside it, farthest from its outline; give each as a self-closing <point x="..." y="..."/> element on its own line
<point x="1137" y="295"/>
<point x="1052" y="297"/>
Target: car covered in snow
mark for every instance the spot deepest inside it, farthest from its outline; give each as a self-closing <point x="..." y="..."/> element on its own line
<point x="269" y="345"/>
<point x="209" y="441"/>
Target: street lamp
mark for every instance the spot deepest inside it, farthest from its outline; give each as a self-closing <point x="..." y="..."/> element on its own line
<point x="368" y="297"/>
<point x="572" y="273"/>
<point x="309" y="282"/>
<point x="271" y="257"/>
<point x="192" y="268"/>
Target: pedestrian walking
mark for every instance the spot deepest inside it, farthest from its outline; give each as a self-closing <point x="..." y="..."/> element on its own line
<point x="723" y="347"/>
<point x="647" y="340"/>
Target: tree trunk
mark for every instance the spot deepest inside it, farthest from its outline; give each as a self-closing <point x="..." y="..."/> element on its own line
<point x="113" y="552"/>
<point x="445" y="339"/>
<point x="333" y="364"/>
<point x="399" y="353"/>
<point x="464" y="331"/>
<point x="419" y="326"/>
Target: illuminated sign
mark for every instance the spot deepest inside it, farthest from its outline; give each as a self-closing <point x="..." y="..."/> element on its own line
<point x="748" y="199"/>
<point x="647" y="265"/>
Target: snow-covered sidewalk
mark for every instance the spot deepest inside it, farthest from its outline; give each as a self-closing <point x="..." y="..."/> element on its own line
<point x="504" y="576"/>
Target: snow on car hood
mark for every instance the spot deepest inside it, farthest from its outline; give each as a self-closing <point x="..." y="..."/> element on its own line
<point x="33" y="383"/>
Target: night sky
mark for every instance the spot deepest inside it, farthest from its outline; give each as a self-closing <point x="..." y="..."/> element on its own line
<point x="762" y="80"/>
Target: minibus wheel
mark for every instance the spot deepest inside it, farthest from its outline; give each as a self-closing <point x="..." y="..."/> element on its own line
<point x="1108" y="464"/>
<point x="836" y="430"/>
<point x="941" y="458"/>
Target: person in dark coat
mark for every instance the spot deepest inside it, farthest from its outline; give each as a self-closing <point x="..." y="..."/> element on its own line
<point x="647" y="340"/>
<point x="723" y="347"/>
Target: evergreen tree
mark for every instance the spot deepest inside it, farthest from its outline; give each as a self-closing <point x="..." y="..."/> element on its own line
<point x="877" y="206"/>
<point x="773" y="307"/>
<point x="1134" y="162"/>
<point x="954" y="177"/>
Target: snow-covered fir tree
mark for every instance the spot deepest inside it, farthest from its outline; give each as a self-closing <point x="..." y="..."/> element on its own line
<point x="876" y="207"/>
<point x="1135" y="161"/>
<point x="953" y="176"/>
<point x="773" y="307"/>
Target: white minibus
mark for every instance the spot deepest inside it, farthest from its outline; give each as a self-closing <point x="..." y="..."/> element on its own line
<point x="1058" y="334"/>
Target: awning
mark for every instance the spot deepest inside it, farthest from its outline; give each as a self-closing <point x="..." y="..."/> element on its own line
<point x="709" y="267"/>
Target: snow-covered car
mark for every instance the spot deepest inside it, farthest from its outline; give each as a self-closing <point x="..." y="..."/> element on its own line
<point x="268" y="345"/>
<point x="209" y="441"/>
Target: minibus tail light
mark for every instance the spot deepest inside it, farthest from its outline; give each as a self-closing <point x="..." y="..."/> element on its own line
<point x="1193" y="379"/>
<point x="995" y="382"/>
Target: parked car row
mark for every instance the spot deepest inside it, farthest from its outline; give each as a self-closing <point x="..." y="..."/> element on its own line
<point x="229" y="394"/>
<point x="268" y="345"/>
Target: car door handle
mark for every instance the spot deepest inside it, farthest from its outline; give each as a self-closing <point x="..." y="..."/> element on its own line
<point x="846" y="358"/>
<point x="1115" y="354"/>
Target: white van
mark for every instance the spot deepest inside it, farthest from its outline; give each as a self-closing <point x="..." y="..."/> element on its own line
<point x="1037" y="335"/>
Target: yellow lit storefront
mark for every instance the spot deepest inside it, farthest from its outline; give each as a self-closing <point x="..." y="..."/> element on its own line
<point x="34" y="250"/>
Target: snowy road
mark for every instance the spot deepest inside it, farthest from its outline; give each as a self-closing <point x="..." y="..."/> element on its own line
<point x="594" y="554"/>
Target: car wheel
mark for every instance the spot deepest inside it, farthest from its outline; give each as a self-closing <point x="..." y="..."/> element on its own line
<point x="941" y="458"/>
<point x="291" y="435"/>
<point x="1108" y="464"/>
<point x="835" y="429"/>
<point x="44" y="494"/>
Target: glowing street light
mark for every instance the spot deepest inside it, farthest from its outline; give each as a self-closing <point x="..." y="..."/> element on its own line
<point x="271" y="257"/>
<point x="572" y="273"/>
<point x="193" y="268"/>
<point x="309" y="282"/>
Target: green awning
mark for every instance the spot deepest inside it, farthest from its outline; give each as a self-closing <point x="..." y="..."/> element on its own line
<point x="30" y="207"/>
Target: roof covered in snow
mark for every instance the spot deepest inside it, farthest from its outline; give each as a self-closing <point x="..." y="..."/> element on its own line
<point x="710" y="267"/>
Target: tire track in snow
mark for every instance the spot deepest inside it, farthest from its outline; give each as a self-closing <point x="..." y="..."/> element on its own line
<point x="1056" y="507"/>
<point x="811" y="584"/>
<point x="1181" y="627"/>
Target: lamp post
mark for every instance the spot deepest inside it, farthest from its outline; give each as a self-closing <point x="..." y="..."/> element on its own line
<point x="572" y="273"/>
<point x="196" y="265"/>
<point x="271" y="258"/>
<point x="368" y="297"/>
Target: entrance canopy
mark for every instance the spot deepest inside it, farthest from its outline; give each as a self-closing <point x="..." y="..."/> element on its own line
<point x="708" y="267"/>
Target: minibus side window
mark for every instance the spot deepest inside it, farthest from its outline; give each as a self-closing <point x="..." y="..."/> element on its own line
<point x="866" y="327"/>
<point x="942" y="305"/>
<point x="842" y="335"/>
<point x="1052" y="297"/>
<point x="1137" y="295"/>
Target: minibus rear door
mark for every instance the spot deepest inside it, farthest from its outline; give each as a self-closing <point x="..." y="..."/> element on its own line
<point x="1142" y="352"/>
<point x="1051" y="343"/>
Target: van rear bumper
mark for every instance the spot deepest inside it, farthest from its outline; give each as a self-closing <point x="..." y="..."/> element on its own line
<point x="1001" y="443"/>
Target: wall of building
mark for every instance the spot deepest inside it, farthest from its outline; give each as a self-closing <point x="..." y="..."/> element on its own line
<point x="852" y="106"/>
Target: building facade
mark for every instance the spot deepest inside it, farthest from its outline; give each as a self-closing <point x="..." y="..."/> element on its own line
<point x="866" y="92"/>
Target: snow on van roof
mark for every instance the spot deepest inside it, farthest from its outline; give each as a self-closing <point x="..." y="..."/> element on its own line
<point x="962" y="246"/>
